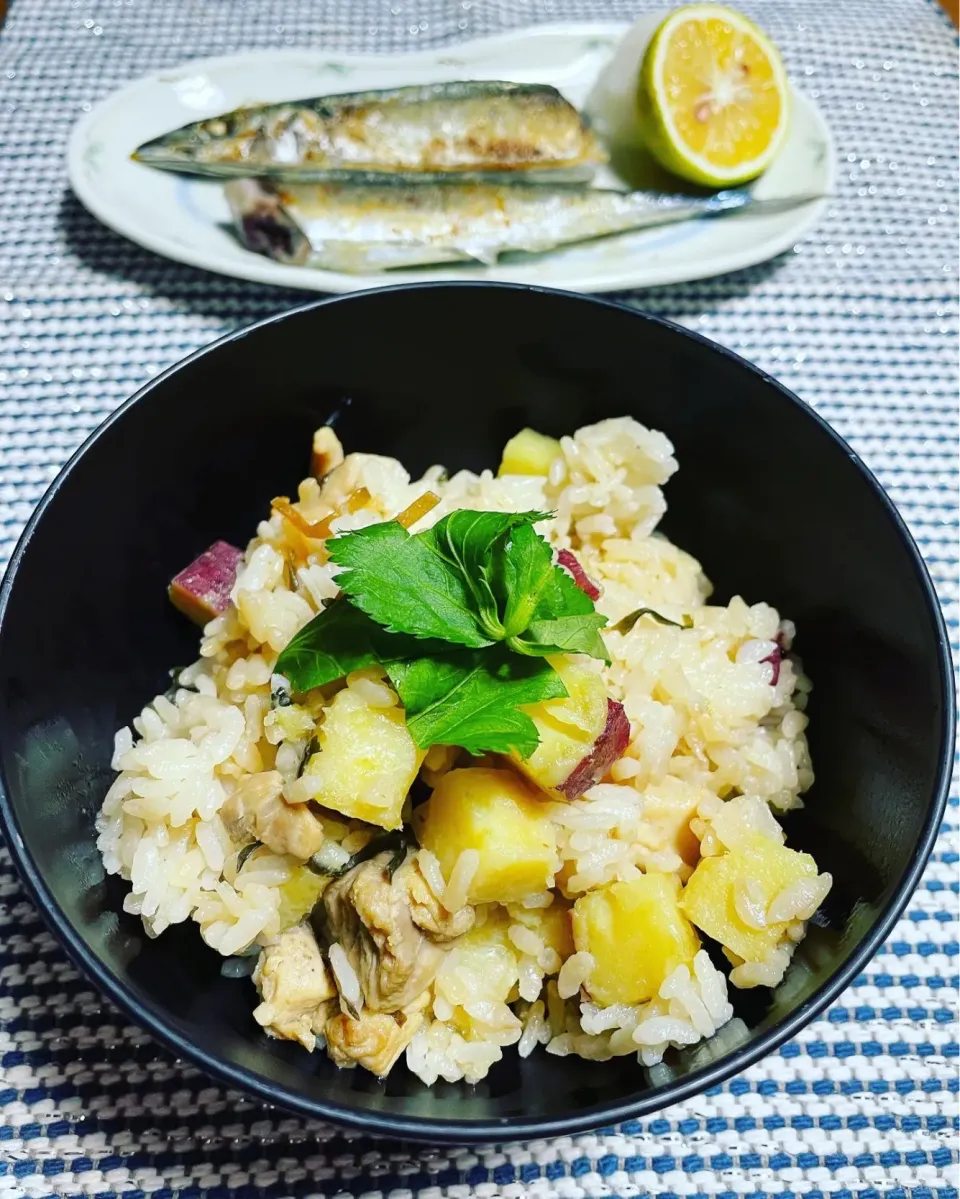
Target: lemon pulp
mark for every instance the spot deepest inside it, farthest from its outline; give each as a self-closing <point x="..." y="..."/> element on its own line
<point x="714" y="96"/>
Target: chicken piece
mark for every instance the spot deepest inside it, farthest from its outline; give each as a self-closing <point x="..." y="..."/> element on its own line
<point x="427" y="911"/>
<point x="257" y="811"/>
<point x="327" y="453"/>
<point x="370" y="918"/>
<point x="375" y="1040"/>
<point x="295" y="988"/>
<point x="376" y="920"/>
<point x="381" y="477"/>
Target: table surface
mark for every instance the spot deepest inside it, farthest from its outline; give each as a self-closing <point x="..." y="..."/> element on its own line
<point x="860" y="320"/>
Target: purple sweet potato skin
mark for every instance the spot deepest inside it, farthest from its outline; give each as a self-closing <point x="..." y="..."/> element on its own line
<point x="775" y="658"/>
<point x="202" y="589"/>
<point x="570" y="563"/>
<point x="610" y="745"/>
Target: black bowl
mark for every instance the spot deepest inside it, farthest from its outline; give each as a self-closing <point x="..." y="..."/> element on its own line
<point x="770" y="500"/>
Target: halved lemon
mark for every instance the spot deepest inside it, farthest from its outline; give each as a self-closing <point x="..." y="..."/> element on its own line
<point x="714" y="99"/>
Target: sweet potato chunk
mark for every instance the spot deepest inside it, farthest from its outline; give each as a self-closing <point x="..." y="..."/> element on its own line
<point x="528" y="453"/>
<point x="637" y="934"/>
<point x="552" y="924"/>
<point x="759" y="869"/>
<point x="367" y="760"/>
<point x="202" y="589"/>
<point x="568" y="728"/>
<point x="499" y="815"/>
<point x="607" y="748"/>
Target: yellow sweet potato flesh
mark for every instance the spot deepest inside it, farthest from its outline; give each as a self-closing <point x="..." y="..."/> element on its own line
<point x="637" y="935"/>
<point x="567" y="727"/>
<point x="482" y="964"/>
<point x="709" y="896"/>
<point x="299" y="894"/>
<point x="367" y="760"/>
<point x="669" y="806"/>
<point x="553" y="924"/>
<point x="499" y="815"/>
<point x="528" y="453"/>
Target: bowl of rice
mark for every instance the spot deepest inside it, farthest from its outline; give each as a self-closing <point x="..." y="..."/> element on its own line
<point x="469" y="712"/>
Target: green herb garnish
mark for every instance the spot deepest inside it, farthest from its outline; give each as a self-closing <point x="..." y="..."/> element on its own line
<point x="628" y="621"/>
<point x="470" y="698"/>
<point x="246" y="852"/>
<point x="460" y="617"/>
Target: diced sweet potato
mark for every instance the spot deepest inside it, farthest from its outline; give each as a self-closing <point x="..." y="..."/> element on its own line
<point x="202" y="590"/>
<point x="482" y="964"/>
<point x="669" y="806"/>
<point x="569" y="729"/>
<point x="608" y="747"/>
<point x="528" y="453"/>
<point x="367" y="760"/>
<point x="498" y="814"/>
<point x="299" y="894"/>
<point x="761" y="868"/>
<point x="552" y="924"/>
<point x="571" y="564"/>
<point x="637" y="935"/>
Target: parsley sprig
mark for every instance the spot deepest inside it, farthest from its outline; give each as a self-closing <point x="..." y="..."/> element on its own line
<point x="461" y="617"/>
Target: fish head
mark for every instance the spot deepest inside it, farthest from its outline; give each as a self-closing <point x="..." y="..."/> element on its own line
<point x="230" y="138"/>
<point x="264" y="226"/>
<point x="257" y="136"/>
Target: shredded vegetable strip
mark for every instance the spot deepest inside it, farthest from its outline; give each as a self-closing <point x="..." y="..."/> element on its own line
<point x="358" y="499"/>
<point x="419" y="508"/>
<point x="319" y="530"/>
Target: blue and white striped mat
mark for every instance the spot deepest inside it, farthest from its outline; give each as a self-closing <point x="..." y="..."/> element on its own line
<point x="861" y="320"/>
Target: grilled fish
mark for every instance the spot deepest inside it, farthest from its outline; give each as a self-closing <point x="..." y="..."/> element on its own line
<point x="362" y="228"/>
<point x="477" y="128"/>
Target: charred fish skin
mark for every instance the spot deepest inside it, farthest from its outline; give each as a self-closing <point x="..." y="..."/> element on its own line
<point x="374" y="227"/>
<point x="486" y="128"/>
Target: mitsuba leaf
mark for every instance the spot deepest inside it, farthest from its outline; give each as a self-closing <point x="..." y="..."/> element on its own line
<point x="406" y="586"/>
<point x="472" y="699"/>
<point x="341" y="639"/>
<point x="526" y="567"/>
<point x="628" y="621"/>
<point x="466" y="539"/>
<point x="336" y="641"/>
<point x="568" y="635"/>
<point x="545" y="611"/>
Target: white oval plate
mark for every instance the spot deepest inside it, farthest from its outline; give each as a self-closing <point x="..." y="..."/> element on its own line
<point x="187" y="219"/>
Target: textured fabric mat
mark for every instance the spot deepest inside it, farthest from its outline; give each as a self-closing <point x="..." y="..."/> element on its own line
<point x="860" y="319"/>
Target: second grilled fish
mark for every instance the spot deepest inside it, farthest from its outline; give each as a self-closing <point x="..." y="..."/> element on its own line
<point x="480" y="128"/>
<point x="365" y="228"/>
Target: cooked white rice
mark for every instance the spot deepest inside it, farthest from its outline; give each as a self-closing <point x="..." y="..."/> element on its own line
<point x="707" y="724"/>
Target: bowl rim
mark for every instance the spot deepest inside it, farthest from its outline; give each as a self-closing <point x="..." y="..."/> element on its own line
<point x="500" y="1129"/>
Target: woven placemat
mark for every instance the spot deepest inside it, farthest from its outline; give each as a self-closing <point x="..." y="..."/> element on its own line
<point x="860" y="320"/>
